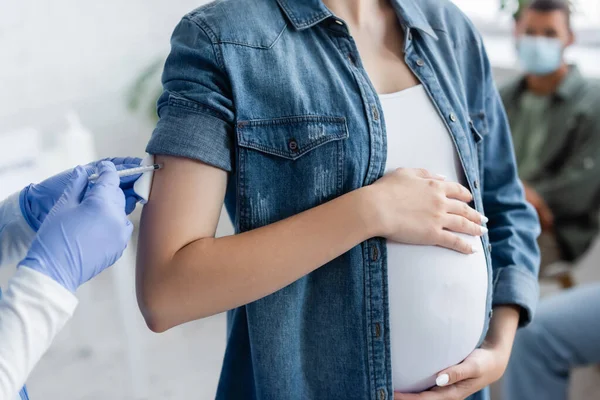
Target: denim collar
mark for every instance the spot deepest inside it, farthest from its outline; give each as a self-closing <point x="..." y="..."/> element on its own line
<point x="304" y="14"/>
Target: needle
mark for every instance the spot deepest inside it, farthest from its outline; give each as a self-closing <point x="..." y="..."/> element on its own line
<point x="131" y="171"/>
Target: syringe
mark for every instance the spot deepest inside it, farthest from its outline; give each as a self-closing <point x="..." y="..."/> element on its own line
<point x="131" y="171"/>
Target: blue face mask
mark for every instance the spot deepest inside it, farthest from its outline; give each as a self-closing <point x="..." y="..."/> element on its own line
<point x="539" y="55"/>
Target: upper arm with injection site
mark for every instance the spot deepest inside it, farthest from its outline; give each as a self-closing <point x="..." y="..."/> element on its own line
<point x="184" y="207"/>
<point x="193" y="141"/>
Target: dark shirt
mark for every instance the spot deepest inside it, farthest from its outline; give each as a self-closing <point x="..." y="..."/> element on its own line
<point x="567" y="175"/>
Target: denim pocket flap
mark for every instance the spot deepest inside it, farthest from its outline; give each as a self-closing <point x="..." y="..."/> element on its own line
<point x="290" y="137"/>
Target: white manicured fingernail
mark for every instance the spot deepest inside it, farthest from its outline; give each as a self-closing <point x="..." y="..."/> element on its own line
<point x="484" y="230"/>
<point x="474" y="249"/>
<point x="484" y="219"/>
<point x="442" y="177"/>
<point x="442" y="380"/>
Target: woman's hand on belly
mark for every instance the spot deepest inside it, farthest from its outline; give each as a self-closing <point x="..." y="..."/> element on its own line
<point x="416" y="207"/>
<point x="483" y="367"/>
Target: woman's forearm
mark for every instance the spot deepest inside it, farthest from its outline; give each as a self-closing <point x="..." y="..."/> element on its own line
<point x="503" y="327"/>
<point x="209" y="276"/>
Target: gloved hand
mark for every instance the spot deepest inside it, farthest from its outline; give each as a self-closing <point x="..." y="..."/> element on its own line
<point x="37" y="200"/>
<point x="85" y="232"/>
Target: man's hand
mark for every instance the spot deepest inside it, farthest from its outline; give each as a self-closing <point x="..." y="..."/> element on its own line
<point x="483" y="367"/>
<point x="544" y="212"/>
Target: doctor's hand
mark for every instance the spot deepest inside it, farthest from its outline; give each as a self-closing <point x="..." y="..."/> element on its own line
<point x="481" y="368"/>
<point x="416" y="207"/>
<point x="38" y="199"/>
<point x="85" y="232"/>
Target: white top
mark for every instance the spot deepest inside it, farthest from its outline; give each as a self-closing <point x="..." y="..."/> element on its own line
<point x="437" y="296"/>
<point x="33" y="309"/>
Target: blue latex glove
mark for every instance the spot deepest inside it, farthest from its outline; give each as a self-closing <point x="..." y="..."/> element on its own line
<point x="85" y="232"/>
<point x="38" y="199"/>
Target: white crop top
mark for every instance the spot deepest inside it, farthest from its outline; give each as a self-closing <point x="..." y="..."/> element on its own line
<point x="437" y="296"/>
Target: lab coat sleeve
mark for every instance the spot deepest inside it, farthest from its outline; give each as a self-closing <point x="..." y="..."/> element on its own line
<point x="33" y="310"/>
<point x="15" y="233"/>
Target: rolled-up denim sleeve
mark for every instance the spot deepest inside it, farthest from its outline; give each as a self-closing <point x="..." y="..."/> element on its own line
<point x="196" y="109"/>
<point x="513" y="223"/>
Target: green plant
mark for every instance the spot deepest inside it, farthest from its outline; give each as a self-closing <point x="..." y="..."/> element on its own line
<point x="516" y="6"/>
<point x="146" y="89"/>
<point x="513" y="6"/>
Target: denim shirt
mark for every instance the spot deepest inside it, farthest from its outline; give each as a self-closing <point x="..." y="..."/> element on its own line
<point x="274" y="91"/>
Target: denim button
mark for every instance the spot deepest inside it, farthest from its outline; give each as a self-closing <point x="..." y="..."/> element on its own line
<point x="377" y="330"/>
<point x="293" y="145"/>
<point x="476" y="184"/>
<point x="420" y="62"/>
<point x="382" y="394"/>
<point x="337" y="21"/>
<point x="489" y="248"/>
<point x="453" y="117"/>
<point x="374" y="253"/>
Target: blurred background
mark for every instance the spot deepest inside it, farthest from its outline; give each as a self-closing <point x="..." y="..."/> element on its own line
<point x="78" y="81"/>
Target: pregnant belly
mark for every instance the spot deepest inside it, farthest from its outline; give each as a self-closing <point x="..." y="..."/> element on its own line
<point x="437" y="303"/>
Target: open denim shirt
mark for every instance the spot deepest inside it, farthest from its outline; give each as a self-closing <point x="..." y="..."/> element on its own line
<point x="274" y="92"/>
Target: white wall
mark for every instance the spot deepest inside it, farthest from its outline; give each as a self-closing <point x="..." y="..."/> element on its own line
<point x="61" y="54"/>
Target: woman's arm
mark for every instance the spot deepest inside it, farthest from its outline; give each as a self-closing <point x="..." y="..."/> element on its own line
<point x="514" y="225"/>
<point x="184" y="273"/>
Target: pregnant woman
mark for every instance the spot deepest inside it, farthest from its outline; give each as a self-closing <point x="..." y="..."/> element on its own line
<point x="347" y="278"/>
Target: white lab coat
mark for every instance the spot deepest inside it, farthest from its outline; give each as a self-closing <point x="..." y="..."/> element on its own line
<point x="33" y="309"/>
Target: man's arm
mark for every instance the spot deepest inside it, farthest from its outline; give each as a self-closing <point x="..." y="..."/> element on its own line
<point x="15" y="233"/>
<point x="541" y="207"/>
<point x="32" y="311"/>
<point x="575" y="190"/>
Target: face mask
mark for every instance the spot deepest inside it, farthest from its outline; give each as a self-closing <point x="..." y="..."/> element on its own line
<point x="539" y="55"/>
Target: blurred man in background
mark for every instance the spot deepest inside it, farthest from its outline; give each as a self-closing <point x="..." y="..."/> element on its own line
<point x="554" y="114"/>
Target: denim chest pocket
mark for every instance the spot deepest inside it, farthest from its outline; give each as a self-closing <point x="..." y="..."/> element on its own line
<point x="478" y="128"/>
<point x="288" y="165"/>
